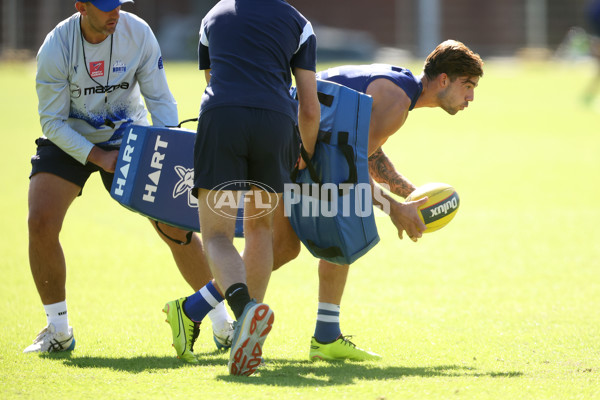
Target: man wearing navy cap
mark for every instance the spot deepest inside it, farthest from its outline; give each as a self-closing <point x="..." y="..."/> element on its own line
<point x="92" y="71"/>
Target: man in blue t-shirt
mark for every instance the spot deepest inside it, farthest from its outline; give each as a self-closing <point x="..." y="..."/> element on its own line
<point x="450" y="75"/>
<point x="247" y="139"/>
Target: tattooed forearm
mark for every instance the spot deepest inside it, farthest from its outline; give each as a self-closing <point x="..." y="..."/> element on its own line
<point x="382" y="170"/>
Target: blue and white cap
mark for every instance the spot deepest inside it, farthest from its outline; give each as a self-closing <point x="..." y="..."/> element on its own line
<point x="106" y="5"/>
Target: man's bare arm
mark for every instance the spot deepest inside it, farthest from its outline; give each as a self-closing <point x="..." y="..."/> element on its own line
<point x="382" y="170"/>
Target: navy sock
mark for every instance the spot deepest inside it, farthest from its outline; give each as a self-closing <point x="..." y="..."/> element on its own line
<point x="202" y="302"/>
<point x="328" y="329"/>
<point x="237" y="297"/>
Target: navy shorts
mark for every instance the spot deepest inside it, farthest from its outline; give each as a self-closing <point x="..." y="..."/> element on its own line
<point x="241" y="144"/>
<point x="50" y="158"/>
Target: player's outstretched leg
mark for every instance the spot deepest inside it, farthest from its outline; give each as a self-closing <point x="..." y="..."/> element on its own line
<point x="250" y="333"/>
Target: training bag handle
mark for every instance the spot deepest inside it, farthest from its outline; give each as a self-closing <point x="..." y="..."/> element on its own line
<point x="183" y="122"/>
<point x="348" y="153"/>
<point x="309" y="165"/>
<point x="188" y="235"/>
<point x="325" y="252"/>
<point x="187" y="120"/>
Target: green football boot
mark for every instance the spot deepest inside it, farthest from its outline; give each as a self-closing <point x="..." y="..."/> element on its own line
<point x="185" y="331"/>
<point x="340" y="349"/>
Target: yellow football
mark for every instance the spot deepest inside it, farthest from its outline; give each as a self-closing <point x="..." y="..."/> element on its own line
<point x="441" y="206"/>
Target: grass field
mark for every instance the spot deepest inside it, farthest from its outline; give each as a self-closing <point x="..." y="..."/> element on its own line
<point x="503" y="303"/>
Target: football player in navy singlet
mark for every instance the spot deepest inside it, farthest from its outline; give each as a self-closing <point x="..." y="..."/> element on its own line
<point x="450" y="75"/>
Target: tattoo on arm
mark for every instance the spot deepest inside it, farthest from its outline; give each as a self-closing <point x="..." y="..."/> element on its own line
<point x="382" y="170"/>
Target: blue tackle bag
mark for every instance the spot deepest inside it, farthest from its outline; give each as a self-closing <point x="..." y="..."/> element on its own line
<point x="329" y="203"/>
<point x="154" y="176"/>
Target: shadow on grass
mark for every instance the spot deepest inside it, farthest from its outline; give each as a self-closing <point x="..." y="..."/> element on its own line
<point x="307" y="373"/>
<point x="130" y="364"/>
<point x="282" y="372"/>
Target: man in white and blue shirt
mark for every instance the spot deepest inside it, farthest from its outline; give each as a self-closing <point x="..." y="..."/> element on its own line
<point x="95" y="70"/>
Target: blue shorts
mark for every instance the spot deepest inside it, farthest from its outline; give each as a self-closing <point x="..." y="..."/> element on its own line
<point x="52" y="159"/>
<point x="242" y="144"/>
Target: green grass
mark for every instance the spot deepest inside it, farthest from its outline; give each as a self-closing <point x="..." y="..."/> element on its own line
<point x="503" y="303"/>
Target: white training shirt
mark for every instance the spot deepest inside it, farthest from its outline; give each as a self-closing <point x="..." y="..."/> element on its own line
<point x="72" y="106"/>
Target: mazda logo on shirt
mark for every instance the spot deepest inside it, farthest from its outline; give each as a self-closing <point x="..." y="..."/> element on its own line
<point x="105" y="89"/>
<point x="75" y="90"/>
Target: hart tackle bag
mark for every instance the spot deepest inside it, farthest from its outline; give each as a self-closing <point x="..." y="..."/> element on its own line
<point x="154" y="176"/>
<point x="330" y="205"/>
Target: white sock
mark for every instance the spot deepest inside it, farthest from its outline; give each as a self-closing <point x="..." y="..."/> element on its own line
<point x="220" y="317"/>
<point x="57" y="315"/>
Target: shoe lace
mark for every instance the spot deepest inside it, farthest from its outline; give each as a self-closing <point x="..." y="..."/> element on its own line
<point x="195" y="328"/>
<point x="43" y="333"/>
<point x="225" y="333"/>
<point x="346" y="340"/>
<point x="56" y="345"/>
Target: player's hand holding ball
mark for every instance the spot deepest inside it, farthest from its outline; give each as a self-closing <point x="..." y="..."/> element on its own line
<point x="406" y="217"/>
<point x="441" y="205"/>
